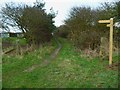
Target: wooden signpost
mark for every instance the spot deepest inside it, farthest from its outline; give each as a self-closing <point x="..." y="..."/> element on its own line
<point x="110" y="24"/>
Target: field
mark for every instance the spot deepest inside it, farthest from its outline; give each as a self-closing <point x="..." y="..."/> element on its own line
<point x="67" y="70"/>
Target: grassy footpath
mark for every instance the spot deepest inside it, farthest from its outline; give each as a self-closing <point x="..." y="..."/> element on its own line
<point x="68" y="70"/>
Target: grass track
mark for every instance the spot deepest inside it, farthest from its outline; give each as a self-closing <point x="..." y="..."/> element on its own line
<point x="68" y="70"/>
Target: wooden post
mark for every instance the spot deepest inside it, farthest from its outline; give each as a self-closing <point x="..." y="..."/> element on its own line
<point x="1" y="63"/>
<point x="111" y="41"/>
<point x="0" y="49"/>
<point x="17" y="46"/>
<point x="110" y="38"/>
<point x="100" y="53"/>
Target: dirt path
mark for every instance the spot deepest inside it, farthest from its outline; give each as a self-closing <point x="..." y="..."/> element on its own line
<point x="48" y="60"/>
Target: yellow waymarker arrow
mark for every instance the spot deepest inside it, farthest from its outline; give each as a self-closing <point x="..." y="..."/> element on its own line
<point x="108" y="25"/>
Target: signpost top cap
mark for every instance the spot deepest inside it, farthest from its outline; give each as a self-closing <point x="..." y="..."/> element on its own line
<point x="111" y="18"/>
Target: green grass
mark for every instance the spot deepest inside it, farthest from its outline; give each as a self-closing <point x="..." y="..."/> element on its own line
<point x="68" y="70"/>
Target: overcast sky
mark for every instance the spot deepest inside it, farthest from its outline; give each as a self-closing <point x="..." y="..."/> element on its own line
<point x="62" y="6"/>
